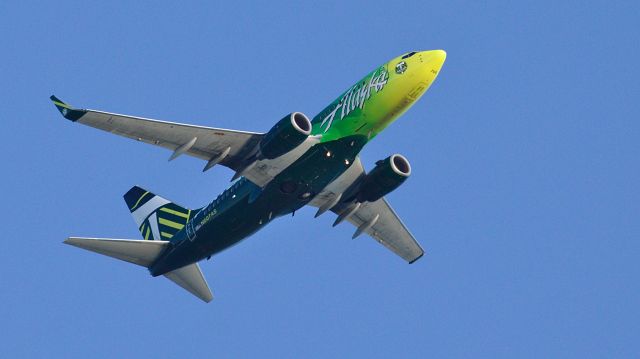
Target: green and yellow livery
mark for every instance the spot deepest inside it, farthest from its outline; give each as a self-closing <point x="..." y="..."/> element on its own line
<point x="298" y="162"/>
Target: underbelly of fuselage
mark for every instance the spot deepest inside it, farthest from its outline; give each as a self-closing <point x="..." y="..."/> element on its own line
<point x="248" y="208"/>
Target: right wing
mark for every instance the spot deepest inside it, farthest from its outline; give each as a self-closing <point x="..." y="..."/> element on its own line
<point x="388" y="229"/>
<point x="206" y="143"/>
<point x="377" y="219"/>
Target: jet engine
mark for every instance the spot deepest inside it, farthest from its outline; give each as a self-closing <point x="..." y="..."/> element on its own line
<point x="384" y="178"/>
<point x="286" y="135"/>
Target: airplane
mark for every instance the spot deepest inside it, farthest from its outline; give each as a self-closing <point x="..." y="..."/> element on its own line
<point x="297" y="162"/>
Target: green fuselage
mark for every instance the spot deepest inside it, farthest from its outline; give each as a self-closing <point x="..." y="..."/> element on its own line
<point x="346" y="125"/>
<point x="244" y="208"/>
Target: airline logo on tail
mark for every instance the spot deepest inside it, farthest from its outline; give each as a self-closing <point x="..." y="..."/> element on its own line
<point x="157" y="218"/>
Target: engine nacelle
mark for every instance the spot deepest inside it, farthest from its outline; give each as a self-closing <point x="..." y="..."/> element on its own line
<point x="384" y="178"/>
<point x="286" y="135"/>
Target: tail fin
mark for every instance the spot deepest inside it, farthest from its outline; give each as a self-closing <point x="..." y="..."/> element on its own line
<point x="144" y="253"/>
<point x="157" y="218"/>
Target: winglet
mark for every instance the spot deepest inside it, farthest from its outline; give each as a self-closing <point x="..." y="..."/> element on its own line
<point x="66" y="110"/>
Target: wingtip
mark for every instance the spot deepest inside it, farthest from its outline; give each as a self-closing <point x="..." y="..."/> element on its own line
<point x="59" y="103"/>
<point x="72" y="241"/>
<point x="418" y="257"/>
<point x="67" y="110"/>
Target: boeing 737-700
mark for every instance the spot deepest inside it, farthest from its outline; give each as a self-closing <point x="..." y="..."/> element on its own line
<point x="297" y="162"/>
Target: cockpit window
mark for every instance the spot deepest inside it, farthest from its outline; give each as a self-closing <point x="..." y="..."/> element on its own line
<point x="409" y="55"/>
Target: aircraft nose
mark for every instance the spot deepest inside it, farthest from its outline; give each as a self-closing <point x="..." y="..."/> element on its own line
<point x="435" y="58"/>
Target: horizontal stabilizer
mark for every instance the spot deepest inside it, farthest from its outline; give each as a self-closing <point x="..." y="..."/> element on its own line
<point x="138" y="252"/>
<point x="190" y="278"/>
<point x="144" y="253"/>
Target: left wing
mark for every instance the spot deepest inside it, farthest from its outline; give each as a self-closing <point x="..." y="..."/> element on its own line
<point x="214" y="145"/>
<point x="233" y="149"/>
<point x="377" y="219"/>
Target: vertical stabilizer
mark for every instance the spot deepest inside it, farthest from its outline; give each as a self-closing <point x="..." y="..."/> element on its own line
<point x="157" y="218"/>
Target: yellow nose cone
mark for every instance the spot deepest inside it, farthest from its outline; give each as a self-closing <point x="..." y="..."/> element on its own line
<point x="430" y="64"/>
<point x="434" y="58"/>
<point x="440" y="54"/>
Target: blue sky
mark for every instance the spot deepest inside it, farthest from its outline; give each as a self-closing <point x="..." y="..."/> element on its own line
<point x="524" y="190"/>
